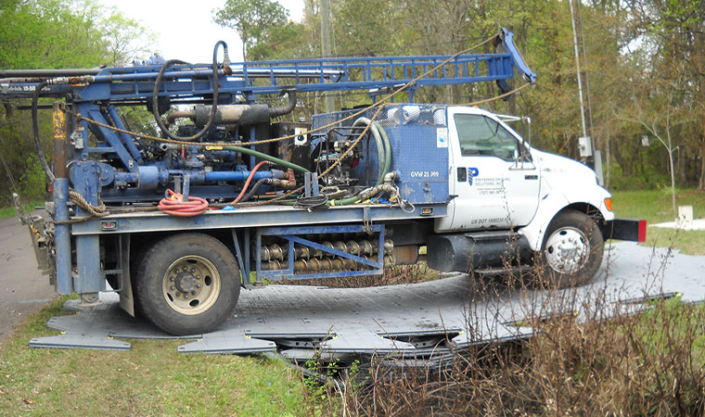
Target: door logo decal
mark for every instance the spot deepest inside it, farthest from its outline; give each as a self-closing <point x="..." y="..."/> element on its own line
<point x="472" y="173"/>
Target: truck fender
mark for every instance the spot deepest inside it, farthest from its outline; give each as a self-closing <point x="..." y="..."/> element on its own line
<point x="552" y="202"/>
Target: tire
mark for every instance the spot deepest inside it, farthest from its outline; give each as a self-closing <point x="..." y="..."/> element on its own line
<point x="187" y="284"/>
<point x="571" y="252"/>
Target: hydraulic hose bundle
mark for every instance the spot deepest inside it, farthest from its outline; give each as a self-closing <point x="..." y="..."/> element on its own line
<point x="384" y="154"/>
<point x="247" y="183"/>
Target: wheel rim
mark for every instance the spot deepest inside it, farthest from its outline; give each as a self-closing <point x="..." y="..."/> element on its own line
<point x="191" y="285"/>
<point x="567" y="250"/>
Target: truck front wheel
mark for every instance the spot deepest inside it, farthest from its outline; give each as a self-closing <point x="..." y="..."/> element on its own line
<point x="188" y="284"/>
<point x="572" y="251"/>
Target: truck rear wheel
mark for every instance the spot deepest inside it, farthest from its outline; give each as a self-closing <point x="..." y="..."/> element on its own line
<point x="188" y="284"/>
<point x="572" y="251"/>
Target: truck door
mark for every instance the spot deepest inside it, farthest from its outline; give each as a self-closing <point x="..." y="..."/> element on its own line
<point x="495" y="186"/>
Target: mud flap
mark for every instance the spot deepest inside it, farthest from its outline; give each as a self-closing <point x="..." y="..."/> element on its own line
<point x="624" y="229"/>
<point x="127" y="301"/>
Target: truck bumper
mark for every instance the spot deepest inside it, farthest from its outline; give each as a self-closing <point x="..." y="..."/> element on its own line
<point x="624" y="229"/>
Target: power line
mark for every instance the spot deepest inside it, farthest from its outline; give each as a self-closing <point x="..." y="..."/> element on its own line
<point x="8" y="172"/>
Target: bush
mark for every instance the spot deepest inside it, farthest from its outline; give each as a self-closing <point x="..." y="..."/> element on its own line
<point x="32" y="183"/>
<point x="648" y="179"/>
<point x="648" y="364"/>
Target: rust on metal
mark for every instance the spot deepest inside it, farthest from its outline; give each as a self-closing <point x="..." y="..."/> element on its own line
<point x="59" y="118"/>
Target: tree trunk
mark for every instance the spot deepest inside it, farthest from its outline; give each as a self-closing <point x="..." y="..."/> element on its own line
<point x="673" y="182"/>
<point x="701" y="183"/>
<point x="608" y="157"/>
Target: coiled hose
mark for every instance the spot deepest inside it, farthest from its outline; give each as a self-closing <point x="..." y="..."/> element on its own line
<point x="384" y="149"/>
<point x="176" y="206"/>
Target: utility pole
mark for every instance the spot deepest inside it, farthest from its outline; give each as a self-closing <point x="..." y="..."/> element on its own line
<point x="577" y="65"/>
<point x="586" y="146"/>
<point x="325" y="48"/>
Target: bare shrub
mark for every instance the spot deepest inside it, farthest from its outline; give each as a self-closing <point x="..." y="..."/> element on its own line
<point x="609" y="363"/>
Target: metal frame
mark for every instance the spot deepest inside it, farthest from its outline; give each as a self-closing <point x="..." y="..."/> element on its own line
<point x="376" y="74"/>
<point x="252" y="218"/>
<point x="290" y="234"/>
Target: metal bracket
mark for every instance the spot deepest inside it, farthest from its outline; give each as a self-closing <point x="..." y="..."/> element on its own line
<point x="311" y="184"/>
<point x="290" y="235"/>
<point x="367" y="219"/>
<point x="244" y="275"/>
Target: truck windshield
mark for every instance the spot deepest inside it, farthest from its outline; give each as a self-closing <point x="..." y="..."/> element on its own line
<point x="480" y="135"/>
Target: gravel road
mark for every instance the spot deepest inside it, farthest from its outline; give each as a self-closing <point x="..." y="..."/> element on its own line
<point x="23" y="290"/>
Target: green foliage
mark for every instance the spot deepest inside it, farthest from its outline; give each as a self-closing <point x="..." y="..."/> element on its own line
<point x="642" y="56"/>
<point x="55" y="34"/>
<point x="254" y="20"/>
<point x="32" y="183"/>
<point x="49" y="34"/>
<point x="321" y="396"/>
<point x="647" y="178"/>
<point x="282" y="39"/>
<point x="126" y="38"/>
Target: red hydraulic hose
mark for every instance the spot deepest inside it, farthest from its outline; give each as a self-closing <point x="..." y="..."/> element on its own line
<point x="247" y="183"/>
<point x="176" y="206"/>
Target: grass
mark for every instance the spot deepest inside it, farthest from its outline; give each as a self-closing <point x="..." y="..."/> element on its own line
<point x="6" y="212"/>
<point x="152" y="379"/>
<point x="655" y="207"/>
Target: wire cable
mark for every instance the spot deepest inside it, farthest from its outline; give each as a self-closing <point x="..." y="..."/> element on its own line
<point x="312" y="203"/>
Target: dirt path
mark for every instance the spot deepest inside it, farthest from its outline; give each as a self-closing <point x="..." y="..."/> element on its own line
<point x="23" y="290"/>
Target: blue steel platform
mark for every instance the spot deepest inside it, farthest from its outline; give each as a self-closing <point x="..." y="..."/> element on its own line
<point x="422" y="319"/>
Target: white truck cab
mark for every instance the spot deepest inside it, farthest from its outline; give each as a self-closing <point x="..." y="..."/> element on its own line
<point x="500" y="183"/>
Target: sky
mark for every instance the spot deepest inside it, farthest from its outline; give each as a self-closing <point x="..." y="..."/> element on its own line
<point x="185" y="29"/>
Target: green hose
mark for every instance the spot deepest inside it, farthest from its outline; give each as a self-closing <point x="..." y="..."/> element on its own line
<point x="387" y="149"/>
<point x="380" y="146"/>
<point x="266" y="157"/>
<point x="344" y="202"/>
